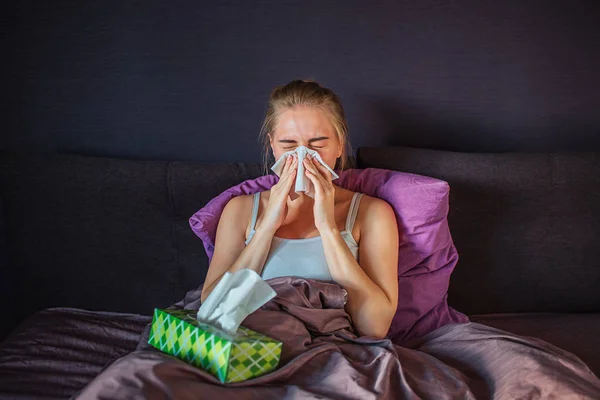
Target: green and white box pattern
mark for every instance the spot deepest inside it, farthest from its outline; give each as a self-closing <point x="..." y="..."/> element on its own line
<point x="231" y="358"/>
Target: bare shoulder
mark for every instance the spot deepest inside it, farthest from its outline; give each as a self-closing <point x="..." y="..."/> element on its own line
<point x="375" y="212"/>
<point x="238" y="211"/>
<point x="375" y="205"/>
<point x="238" y="205"/>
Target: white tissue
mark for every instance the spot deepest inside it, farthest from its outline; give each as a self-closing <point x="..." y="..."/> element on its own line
<point x="303" y="184"/>
<point x="236" y="296"/>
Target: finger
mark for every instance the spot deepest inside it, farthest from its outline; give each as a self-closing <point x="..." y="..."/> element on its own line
<point x="285" y="172"/>
<point x="284" y="169"/>
<point x="310" y="166"/>
<point x="317" y="182"/>
<point x="324" y="171"/>
<point x="286" y="165"/>
<point x="287" y="178"/>
<point x="293" y="165"/>
<point x="285" y="188"/>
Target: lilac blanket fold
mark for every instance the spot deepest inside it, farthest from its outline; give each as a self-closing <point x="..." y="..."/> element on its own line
<point x="323" y="358"/>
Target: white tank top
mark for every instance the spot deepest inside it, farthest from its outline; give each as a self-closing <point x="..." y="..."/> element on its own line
<point x="304" y="258"/>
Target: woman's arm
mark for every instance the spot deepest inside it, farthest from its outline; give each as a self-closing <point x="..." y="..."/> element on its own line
<point x="231" y="253"/>
<point x="373" y="285"/>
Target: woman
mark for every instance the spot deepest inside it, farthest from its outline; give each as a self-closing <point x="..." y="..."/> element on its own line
<point x="338" y="235"/>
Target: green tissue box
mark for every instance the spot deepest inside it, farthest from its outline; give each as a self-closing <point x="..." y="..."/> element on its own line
<point x="231" y="358"/>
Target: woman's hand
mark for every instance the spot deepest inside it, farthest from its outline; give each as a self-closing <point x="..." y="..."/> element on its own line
<point x="276" y="210"/>
<point x="324" y="193"/>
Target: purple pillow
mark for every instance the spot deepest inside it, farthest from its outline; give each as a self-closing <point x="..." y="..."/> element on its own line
<point x="426" y="257"/>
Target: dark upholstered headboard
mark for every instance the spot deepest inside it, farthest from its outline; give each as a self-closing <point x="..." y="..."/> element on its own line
<point x="113" y="234"/>
<point x="526" y="226"/>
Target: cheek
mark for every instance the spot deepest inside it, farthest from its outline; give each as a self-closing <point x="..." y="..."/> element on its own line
<point x="277" y="151"/>
<point x="329" y="156"/>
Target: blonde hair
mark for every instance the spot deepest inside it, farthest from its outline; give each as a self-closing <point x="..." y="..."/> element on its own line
<point x="304" y="93"/>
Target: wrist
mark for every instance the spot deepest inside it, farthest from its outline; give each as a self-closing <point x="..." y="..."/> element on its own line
<point x="265" y="230"/>
<point x="329" y="231"/>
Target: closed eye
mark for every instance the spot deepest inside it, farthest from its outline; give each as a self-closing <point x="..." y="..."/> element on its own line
<point x="293" y="147"/>
<point x="311" y="142"/>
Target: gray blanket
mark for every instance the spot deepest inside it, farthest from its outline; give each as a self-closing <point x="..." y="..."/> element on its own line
<point x="323" y="357"/>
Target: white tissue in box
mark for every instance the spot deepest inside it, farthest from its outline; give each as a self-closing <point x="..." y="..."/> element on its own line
<point x="236" y="296"/>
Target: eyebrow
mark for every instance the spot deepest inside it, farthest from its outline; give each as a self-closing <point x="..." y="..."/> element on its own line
<point x="309" y="140"/>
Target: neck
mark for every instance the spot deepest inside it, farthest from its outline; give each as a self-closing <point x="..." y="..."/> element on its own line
<point x="299" y="201"/>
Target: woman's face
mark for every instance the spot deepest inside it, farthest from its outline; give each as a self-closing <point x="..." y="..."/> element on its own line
<point x="306" y="126"/>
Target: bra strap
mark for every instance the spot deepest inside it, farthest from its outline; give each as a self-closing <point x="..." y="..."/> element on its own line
<point x="353" y="212"/>
<point x="254" y="211"/>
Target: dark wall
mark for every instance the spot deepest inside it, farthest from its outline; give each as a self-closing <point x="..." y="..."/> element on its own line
<point x="190" y="80"/>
